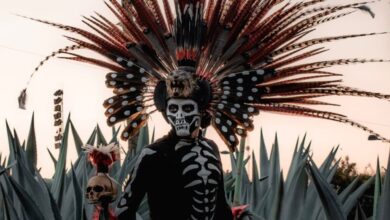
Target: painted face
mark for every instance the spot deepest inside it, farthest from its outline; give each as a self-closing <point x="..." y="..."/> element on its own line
<point x="183" y="115"/>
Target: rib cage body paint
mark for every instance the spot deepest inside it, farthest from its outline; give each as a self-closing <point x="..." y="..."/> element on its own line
<point x="201" y="176"/>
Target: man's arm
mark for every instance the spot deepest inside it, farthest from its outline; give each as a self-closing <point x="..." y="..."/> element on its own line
<point x="136" y="187"/>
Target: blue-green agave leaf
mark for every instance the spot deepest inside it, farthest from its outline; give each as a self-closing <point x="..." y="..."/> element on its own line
<point x="77" y="140"/>
<point x="153" y="133"/>
<point x="255" y="186"/>
<point x="30" y="208"/>
<point x="277" y="199"/>
<point x="359" y="214"/>
<point x="377" y="190"/>
<point x="7" y="211"/>
<point x="348" y="190"/>
<point x="383" y="209"/>
<point x="58" y="185"/>
<point x="11" y="157"/>
<point x="115" y="133"/>
<point x="72" y="208"/>
<point x="100" y="137"/>
<point x="330" y="202"/>
<point x="31" y="148"/>
<point x="295" y="193"/>
<point x="143" y="138"/>
<point x="239" y="173"/>
<point x="353" y="198"/>
<point x="52" y="158"/>
<point x="92" y="137"/>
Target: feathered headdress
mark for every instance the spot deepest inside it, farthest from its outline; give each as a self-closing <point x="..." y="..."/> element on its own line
<point x="248" y="55"/>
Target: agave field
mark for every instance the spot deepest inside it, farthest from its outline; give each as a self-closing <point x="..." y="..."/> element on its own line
<point x="304" y="193"/>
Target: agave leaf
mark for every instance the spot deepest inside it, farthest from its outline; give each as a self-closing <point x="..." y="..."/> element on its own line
<point x="277" y="199"/>
<point x="100" y="137"/>
<point x="326" y="166"/>
<point x="275" y="163"/>
<point x="115" y="133"/>
<point x="4" y="162"/>
<point x="332" y="171"/>
<point x="72" y="208"/>
<point x="143" y="138"/>
<point x="57" y="188"/>
<point x="82" y="170"/>
<point x="294" y="163"/>
<point x="53" y="212"/>
<point x="92" y="137"/>
<point x="52" y="158"/>
<point x="77" y="140"/>
<point x="7" y="168"/>
<point x="7" y="207"/>
<point x="378" y="189"/>
<point x="153" y="133"/>
<point x="330" y="202"/>
<point x="229" y="183"/>
<point x="312" y="202"/>
<point x="274" y="175"/>
<point x="29" y="182"/>
<point x="138" y="217"/>
<point x="295" y="193"/>
<point x="30" y="207"/>
<point x="239" y="170"/>
<point x="260" y="209"/>
<point x="353" y="197"/>
<point x="17" y="145"/>
<point x="264" y="162"/>
<point x="359" y="214"/>
<point x="11" y="157"/>
<point x="348" y="190"/>
<point x="143" y="209"/>
<point x="31" y="148"/>
<point x="233" y="163"/>
<point x="383" y="209"/>
<point x="255" y="186"/>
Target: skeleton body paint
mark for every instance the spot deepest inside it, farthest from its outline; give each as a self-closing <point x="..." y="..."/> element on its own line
<point x="182" y="179"/>
<point x="201" y="174"/>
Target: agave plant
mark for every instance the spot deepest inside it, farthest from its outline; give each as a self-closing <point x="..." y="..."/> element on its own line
<point x="305" y="193"/>
<point x="25" y="194"/>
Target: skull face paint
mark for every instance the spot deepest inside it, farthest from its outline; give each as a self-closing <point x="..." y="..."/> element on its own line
<point x="183" y="115"/>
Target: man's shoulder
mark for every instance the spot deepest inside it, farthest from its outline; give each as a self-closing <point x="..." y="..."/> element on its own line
<point x="159" y="144"/>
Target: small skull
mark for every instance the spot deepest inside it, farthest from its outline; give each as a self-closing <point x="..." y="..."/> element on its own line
<point x="101" y="188"/>
<point x="183" y="115"/>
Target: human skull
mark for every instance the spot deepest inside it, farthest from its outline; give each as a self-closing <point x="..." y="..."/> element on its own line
<point x="101" y="188"/>
<point x="183" y="115"/>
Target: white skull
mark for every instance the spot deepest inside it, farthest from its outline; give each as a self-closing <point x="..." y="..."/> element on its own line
<point x="101" y="187"/>
<point x="183" y="115"/>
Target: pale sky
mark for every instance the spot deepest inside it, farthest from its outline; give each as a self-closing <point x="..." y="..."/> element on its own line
<point x="23" y="43"/>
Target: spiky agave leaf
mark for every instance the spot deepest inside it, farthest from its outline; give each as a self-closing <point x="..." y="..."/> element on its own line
<point x="239" y="170"/>
<point x="73" y="198"/>
<point x="330" y="202"/>
<point x="384" y="201"/>
<point x="377" y="190"/>
<point x="77" y="140"/>
<point x="31" y="147"/>
<point x="58" y="186"/>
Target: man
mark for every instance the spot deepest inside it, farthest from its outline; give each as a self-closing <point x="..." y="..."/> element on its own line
<point x="181" y="173"/>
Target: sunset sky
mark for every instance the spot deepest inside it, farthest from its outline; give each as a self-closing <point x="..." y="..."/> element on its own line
<point x="24" y="43"/>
